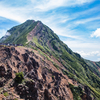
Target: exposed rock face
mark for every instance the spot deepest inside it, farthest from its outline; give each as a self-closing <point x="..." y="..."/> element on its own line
<point x="42" y="81"/>
<point x="35" y="31"/>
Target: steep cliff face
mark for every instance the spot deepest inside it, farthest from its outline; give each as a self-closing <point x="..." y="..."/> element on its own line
<point x="83" y="77"/>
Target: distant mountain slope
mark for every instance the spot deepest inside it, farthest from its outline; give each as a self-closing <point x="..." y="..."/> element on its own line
<point x="95" y="66"/>
<point x="38" y="36"/>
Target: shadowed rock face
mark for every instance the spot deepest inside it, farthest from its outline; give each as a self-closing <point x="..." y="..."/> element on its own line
<point x="25" y="57"/>
<point x="2" y="71"/>
<point x="42" y="81"/>
<point x="86" y="95"/>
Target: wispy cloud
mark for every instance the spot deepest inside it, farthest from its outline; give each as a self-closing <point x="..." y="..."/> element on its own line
<point x="66" y="33"/>
<point x="84" y="21"/>
<point x="12" y="13"/>
<point x="52" y="4"/>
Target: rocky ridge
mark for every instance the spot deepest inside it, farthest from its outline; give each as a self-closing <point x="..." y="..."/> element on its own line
<point x="42" y="81"/>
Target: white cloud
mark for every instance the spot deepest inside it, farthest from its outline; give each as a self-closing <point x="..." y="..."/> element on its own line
<point x="12" y="13"/>
<point x="88" y="50"/>
<point x="86" y="54"/>
<point x="96" y="33"/>
<point x="92" y="55"/>
<point x="2" y="32"/>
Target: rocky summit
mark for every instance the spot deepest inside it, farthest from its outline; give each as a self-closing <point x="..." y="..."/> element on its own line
<point x="36" y="65"/>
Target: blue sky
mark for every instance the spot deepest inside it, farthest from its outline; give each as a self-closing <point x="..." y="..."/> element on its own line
<point x="76" y="22"/>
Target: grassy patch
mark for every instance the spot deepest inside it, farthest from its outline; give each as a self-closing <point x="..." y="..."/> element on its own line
<point x="77" y="92"/>
<point x="15" y="99"/>
<point x="6" y="94"/>
<point x="35" y="40"/>
<point x="19" y="77"/>
<point x="56" y="66"/>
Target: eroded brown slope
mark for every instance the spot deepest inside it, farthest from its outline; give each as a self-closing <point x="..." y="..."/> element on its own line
<point x="42" y="80"/>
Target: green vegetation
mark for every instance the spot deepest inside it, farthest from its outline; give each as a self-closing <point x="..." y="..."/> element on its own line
<point x="19" y="33"/>
<point x="94" y="66"/>
<point x="15" y="99"/>
<point x="44" y="55"/>
<point x="19" y="77"/>
<point x="56" y="65"/>
<point x="77" y="92"/>
<point x="6" y="94"/>
<point x="35" y="40"/>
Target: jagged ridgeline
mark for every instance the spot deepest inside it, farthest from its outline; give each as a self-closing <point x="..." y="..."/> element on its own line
<point x="36" y="35"/>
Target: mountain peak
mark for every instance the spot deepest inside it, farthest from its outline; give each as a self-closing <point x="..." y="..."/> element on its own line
<point x="30" y="20"/>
